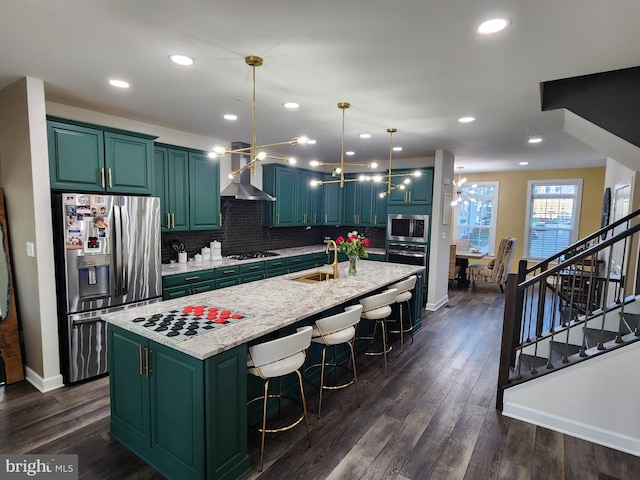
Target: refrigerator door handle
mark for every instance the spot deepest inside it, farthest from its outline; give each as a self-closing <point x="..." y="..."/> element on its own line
<point x="117" y="249"/>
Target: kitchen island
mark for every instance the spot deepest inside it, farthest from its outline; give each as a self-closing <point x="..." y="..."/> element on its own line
<point x="180" y="403"/>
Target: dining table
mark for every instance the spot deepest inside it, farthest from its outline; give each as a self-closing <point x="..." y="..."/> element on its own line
<point x="470" y="255"/>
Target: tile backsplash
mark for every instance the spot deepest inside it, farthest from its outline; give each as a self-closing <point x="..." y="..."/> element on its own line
<point x="242" y="231"/>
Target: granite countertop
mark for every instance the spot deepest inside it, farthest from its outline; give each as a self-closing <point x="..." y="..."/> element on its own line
<point x="268" y="305"/>
<point x="175" y="268"/>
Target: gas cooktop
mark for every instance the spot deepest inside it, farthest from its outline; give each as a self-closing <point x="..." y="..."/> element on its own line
<point x="247" y="256"/>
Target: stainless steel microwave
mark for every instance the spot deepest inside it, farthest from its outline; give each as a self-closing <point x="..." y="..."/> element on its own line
<point x="408" y="228"/>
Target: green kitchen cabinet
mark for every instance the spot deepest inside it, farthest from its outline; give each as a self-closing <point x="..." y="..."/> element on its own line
<point x="332" y="198"/>
<point x="184" y="416"/>
<point x="183" y="284"/>
<point x="204" y="192"/>
<point x="149" y="385"/>
<point x="308" y="202"/>
<point x="171" y="171"/>
<point x="418" y="192"/>
<point x="251" y="272"/>
<point x="297" y="202"/>
<point x="90" y="158"/>
<point x="379" y="205"/>
<point x="227" y="276"/>
<point x="359" y="205"/>
<point x="279" y="181"/>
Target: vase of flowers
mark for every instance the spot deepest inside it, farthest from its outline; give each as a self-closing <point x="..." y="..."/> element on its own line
<point x="353" y="247"/>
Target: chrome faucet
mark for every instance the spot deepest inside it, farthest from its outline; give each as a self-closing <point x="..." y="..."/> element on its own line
<point x="334" y="265"/>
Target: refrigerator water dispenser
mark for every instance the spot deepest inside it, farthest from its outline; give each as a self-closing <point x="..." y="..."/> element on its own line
<point x="93" y="276"/>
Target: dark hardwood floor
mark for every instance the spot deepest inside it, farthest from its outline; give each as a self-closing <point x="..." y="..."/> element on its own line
<point x="432" y="418"/>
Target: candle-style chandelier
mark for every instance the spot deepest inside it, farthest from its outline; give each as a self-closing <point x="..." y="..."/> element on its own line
<point x="256" y="152"/>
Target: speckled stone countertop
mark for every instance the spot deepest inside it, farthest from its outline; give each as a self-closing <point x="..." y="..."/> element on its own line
<point x="175" y="268"/>
<point x="268" y="304"/>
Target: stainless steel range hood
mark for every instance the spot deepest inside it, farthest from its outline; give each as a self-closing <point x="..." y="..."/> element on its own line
<point x="241" y="187"/>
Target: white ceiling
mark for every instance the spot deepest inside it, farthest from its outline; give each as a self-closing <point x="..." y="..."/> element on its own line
<point x="416" y="65"/>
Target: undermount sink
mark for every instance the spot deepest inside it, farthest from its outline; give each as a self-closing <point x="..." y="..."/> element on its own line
<point x="314" y="277"/>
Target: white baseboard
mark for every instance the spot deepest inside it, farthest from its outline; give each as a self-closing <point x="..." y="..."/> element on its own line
<point x="43" y="384"/>
<point x="432" y="307"/>
<point x="590" y="433"/>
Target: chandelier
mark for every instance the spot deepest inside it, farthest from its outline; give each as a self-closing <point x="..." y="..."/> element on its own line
<point x="460" y="198"/>
<point x="340" y="166"/>
<point x="256" y="152"/>
<point x="339" y="169"/>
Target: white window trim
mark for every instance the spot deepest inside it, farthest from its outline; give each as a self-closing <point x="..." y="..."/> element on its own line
<point x="551" y="181"/>
<point x="493" y="231"/>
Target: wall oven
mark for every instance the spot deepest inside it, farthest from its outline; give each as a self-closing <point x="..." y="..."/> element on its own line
<point x="407" y="254"/>
<point x="408" y="228"/>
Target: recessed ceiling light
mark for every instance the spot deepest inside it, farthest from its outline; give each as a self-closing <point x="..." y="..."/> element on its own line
<point x="118" y="83"/>
<point x="535" y="139"/>
<point x="467" y="119"/>
<point x="230" y="116"/>
<point x="397" y="149"/>
<point x="493" y="26"/>
<point x="311" y="141"/>
<point x="365" y="135"/>
<point x="350" y="153"/>
<point x="183" y="60"/>
<point x="523" y="163"/>
<point x="291" y="105"/>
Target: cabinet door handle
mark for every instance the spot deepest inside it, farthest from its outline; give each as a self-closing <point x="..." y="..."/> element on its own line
<point x="255" y="267"/>
<point x="110" y="179"/>
<point x="275" y="264"/>
<point x="220" y="219"/>
<point x="168" y="220"/>
<point x="140" y="355"/>
<point x="325" y="218"/>
<point x="147" y="367"/>
<point x="102" y="176"/>
<point x="192" y="278"/>
<point x="228" y="271"/>
<point x="409" y="192"/>
<point x="375" y="219"/>
<point x="277" y="219"/>
<point x="173" y="220"/>
<point x="314" y="219"/>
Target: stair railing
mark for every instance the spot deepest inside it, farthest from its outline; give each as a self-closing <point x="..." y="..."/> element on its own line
<point x="584" y="285"/>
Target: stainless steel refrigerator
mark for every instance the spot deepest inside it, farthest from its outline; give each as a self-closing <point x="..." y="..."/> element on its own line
<point x="107" y="253"/>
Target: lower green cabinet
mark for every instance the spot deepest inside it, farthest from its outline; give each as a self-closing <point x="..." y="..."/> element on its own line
<point x="185" y="417"/>
<point x="183" y="284"/>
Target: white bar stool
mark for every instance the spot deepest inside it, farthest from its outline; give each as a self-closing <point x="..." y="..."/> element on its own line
<point x="336" y="330"/>
<point x="376" y="307"/>
<point x="404" y="288"/>
<point x="277" y="358"/>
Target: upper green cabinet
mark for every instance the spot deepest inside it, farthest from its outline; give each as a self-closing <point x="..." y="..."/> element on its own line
<point x="363" y="205"/>
<point x="94" y="159"/>
<point x="308" y="208"/>
<point x="204" y="192"/>
<point x="418" y="192"/>
<point x="171" y="169"/>
<point x="332" y="202"/>
<point x="188" y="184"/>
<point x="279" y="182"/>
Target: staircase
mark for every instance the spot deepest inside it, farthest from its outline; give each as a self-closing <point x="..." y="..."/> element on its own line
<point x="564" y="318"/>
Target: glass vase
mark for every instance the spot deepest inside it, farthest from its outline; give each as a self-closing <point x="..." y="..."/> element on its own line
<point x="353" y="264"/>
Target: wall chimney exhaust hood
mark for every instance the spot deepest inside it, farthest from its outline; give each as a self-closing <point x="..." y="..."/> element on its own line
<point x="241" y="187"/>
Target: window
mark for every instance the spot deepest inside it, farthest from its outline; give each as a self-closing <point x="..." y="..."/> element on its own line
<point x="476" y="216"/>
<point x="553" y="212"/>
